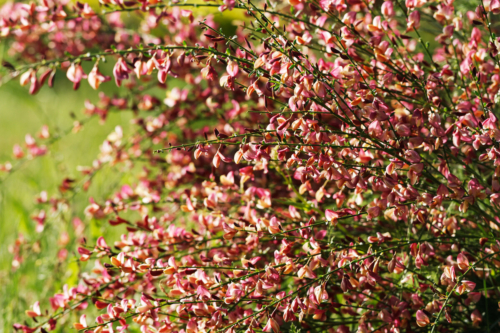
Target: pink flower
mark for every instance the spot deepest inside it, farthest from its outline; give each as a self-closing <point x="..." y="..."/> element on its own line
<point x="476" y="317"/>
<point x="120" y="71"/>
<point x="413" y="21"/>
<point x="495" y="6"/>
<point x="388" y="9"/>
<point x="232" y="68"/>
<point x="85" y="254"/>
<point x="87" y="11"/>
<point x="463" y="262"/>
<point x="422" y="319"/>
<point x="331" y="216"/>
<point x="271" y="325"/>
<point x="75" y="74"/>
<point x="25" y="78"/>
<point x="228" y="4"/>
<point x="466" y="286"/>
<point x="373" y="212"/>
<point x="17" y="151"/>
<point x="95" y="77"/>
<point x="146" y="304"/>
<point x="209" y="73"/>
<point x="82" y="324"/>
<point x="36" y="312"/>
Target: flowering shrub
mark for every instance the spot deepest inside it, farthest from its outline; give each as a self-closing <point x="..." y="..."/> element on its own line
<point x="331" y="165"/>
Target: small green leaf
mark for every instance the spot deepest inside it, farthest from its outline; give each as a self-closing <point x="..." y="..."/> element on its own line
<point x="294" y="329"/>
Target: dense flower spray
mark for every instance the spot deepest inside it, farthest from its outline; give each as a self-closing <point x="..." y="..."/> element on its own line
<point x="345" y="177"/>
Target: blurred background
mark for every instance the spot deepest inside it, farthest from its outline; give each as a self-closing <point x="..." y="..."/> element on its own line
<point x="36" y="264"/>
<point x="40" y="272"/>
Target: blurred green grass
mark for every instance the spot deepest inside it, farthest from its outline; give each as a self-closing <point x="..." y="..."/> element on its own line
<point x="41" y="274"/>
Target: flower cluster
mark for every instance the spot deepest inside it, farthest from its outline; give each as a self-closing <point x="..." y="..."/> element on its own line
<point x="329" y="166"/>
